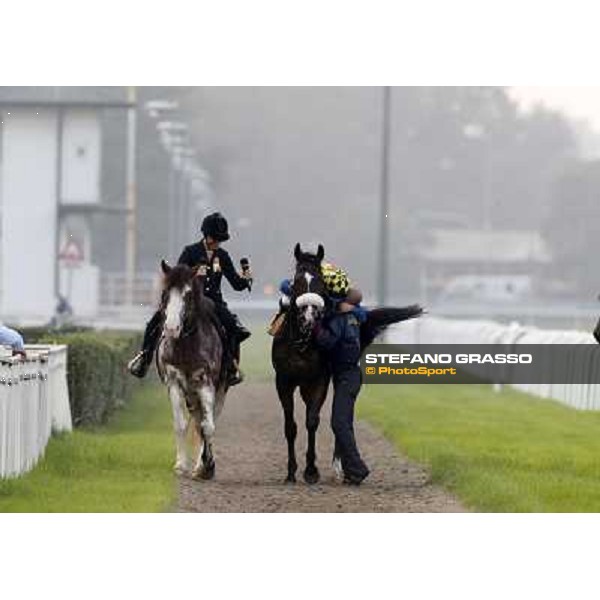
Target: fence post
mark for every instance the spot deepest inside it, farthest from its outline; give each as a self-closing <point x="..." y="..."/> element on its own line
<point x="34" y="400"/>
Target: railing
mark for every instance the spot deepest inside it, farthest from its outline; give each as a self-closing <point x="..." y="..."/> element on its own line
<point x="544" y="314"/>
<point x="34" y="402"/>
<point x="433" y="330"/>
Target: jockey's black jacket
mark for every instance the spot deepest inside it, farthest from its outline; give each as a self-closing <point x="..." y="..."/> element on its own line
<point x="220" y="264"/>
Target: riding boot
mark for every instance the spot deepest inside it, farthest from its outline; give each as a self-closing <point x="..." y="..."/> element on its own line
<point x="241" y="333"/>
<point x="234" y="375"/>
<point x="140" y="363"/>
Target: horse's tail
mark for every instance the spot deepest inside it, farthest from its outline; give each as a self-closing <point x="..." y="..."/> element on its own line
<point x="379" y="319"/>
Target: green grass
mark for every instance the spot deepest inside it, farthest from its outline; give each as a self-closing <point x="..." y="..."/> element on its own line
<point x="256" y="355"/>
<point x="497" y="452"/>
<point x="125" y="466"/>
<point x="122" y="467"/>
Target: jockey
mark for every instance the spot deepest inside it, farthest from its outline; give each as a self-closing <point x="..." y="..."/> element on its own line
<point x="207" y="252"/>
<point x="339" y="290"/>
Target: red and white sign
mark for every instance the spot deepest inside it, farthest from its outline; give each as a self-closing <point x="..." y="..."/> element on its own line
<point x="72" y="254"/>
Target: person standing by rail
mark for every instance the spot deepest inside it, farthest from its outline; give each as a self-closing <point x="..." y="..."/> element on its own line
<point x="12" y="338"/>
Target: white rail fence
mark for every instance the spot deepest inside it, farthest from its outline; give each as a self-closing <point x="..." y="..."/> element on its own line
<point x="433" y="330"/>
<point x="34" y="402"/>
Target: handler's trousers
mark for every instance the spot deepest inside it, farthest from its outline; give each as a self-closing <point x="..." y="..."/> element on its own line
<point x="346" y="386"/>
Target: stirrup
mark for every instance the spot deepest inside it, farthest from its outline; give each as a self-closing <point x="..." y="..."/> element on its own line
<point x="235" y="378"/>
<point x="276" y="324"/>
<point x="242" y="334"/>
<point x="138" y="366"/>
<point x="234" y="375"/>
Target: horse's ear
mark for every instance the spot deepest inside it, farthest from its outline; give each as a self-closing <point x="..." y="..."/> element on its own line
<point x="320" y="253"/>
<point x="297" y="251"/>
<point x="166" y="269"/>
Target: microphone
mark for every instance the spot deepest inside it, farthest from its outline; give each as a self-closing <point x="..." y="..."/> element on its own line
<point x="245" y="264"/>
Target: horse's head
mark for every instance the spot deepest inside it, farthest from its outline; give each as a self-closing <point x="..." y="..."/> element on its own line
<point x="308" y="289"/>
<point x="182" y="291"/>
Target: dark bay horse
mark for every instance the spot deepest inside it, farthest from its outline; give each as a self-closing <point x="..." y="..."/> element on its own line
<point x="189" y="361"/>
<point x="298" y="363"/>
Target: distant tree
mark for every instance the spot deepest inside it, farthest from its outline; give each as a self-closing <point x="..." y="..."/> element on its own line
<point x="465" y="157"/>
<point x="304" y="163"/>
<point x="452" y="146"/>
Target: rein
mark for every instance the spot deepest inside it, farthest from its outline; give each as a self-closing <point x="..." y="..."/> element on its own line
<point x="187" y="332"/>
<point x="302" y="342"/>
<point x="300" y="337"/>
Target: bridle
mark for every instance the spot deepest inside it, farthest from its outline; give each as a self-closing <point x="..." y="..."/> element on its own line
<point x="189" y="320"/>
<point x="302" y="337"/>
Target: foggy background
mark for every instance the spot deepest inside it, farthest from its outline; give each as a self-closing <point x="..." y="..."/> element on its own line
<point x="493" y="209"/>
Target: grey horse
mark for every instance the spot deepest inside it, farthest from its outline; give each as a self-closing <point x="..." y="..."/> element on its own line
<point x="190" y="364"/>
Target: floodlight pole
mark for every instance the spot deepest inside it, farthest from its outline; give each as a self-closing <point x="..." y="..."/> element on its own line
<point x="383" y="256"/>
<point x="131" y="198"/>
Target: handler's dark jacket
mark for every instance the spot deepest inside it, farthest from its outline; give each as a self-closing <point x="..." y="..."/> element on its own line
<point x="219" y="265"/>
<point x="340" y="337"/>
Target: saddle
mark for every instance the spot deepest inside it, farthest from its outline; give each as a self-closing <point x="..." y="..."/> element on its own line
<point x="227" y="358"/>
<point x="276" y="324"/>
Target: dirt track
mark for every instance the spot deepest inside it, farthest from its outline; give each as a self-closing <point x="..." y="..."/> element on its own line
<point x="251" y="460"/>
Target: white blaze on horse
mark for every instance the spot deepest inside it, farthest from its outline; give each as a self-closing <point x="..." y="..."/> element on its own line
<point x="190" y="364"/>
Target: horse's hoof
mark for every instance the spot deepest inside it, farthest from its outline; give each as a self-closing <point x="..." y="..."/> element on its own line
<point x="181" y="470"/>
<point x="290" y="479"/>
<point x="312" y="476"/>
<point x="203" y="475"/>
<point x="206" y="473"/>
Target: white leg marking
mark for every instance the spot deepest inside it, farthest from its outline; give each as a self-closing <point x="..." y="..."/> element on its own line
<point x="207" y="423"/>
<point x="180" y="425"/>
<point x="207" y="400"/>
<point x="219" y="402"/>
<point x="337" y="468"/>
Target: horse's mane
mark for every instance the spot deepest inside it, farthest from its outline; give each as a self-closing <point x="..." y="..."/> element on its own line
<point x="178" y="277"/>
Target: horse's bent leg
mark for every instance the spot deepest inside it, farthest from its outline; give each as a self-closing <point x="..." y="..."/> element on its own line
<point x="286" y="397"/>
<point x="205" y="465"/>
<point x="180" y="425"/>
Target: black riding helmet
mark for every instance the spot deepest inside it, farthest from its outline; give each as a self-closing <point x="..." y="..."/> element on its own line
<point x="215" y="226"/>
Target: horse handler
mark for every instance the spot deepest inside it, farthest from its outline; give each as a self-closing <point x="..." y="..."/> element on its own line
<point x="340" y="338"/>
<point x="218" y="263"/>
